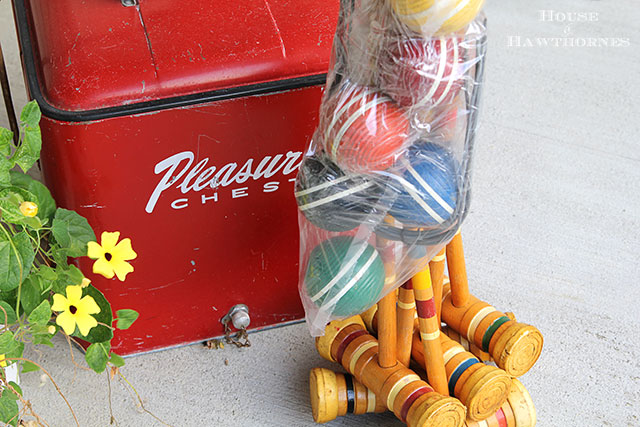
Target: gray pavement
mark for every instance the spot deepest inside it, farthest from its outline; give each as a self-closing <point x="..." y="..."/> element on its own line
<point x="553" y="235"/>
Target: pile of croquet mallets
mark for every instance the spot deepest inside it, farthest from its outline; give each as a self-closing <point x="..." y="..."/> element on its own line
<point x="384" y="183"/>
<point x="476" y="357"/>
<point x="383" y="187"/>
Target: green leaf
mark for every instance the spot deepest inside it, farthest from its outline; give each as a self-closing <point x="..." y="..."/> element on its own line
<point x="74" y="275"/>
<point x="10" y="200"/>
<point x="32" y="222"/>
<point x="39" y="329"/>
<point x="28" y="151"/>
<point x="16" y="259"/>
<point x="116" y="360"/>
<point x="44" y="200"/>
<point x="6" y="141"/>
<point x="43" y="339"/>
<point x="10" y="394"/>
<point x="7" y="343"/>
<point x="40" y="334"/>
<point x="8" y="408"/>
<point x="17" y="388"/>
<point x="48" y="277"/>
<point x="100" y="333"/>
<point x="29" y="367"/>
<point x="30" y="295"/>
<point x="72" y="232"/>
<point x="47" y="273"/>
<point x="41" y="314"/>
<point x="30" y="115"/>
<point x="11" y="313"/>
<point x="9" y="346"/>
<point x="9" y="297"/>
<point x="67" y="275"/>
<point x="60" y="256"/>
<point x="10" y="267"/>
<point x="126" y="317"/>
<point x="5" y="167"/>
<point x="97" y="356"/>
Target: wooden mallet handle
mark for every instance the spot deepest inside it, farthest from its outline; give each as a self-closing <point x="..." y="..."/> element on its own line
<point x="457" y="271"/>
<point x="429" y="331"/>
<point x="406" y="317"/>
<point x="436" y="266"/>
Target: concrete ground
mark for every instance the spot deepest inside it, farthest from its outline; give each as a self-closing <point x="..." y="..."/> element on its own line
<point x="553" y="235"/>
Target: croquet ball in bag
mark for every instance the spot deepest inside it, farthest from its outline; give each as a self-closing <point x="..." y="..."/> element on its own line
<point x="427" y="189"/>
<point x="417" y="251"/>
<point x="422" y="72"/>
<point x="331" y="200"/>
<point x="365" y="130"/>
<point x="344" y="276"/>
<point x="444" y="121"/>
<point x="436" y="17"/>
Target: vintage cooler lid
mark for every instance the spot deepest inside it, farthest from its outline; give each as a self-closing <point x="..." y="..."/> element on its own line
<point x="94" y="59"/>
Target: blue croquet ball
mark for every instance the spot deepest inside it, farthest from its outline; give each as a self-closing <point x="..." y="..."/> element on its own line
<point x="427" y="188"/>
<point x="344" y="276"/>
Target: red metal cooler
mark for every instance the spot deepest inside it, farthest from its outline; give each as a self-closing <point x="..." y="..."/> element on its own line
<point x="181" y="125"/>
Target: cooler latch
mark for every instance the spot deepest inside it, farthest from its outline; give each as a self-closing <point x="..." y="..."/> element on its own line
<point x="238" y="316"/>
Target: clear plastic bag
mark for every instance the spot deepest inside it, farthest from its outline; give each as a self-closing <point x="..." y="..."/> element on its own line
<point x="385" y="182"/>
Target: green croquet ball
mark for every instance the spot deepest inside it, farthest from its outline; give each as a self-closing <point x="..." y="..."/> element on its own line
<point x="344" y="276"/>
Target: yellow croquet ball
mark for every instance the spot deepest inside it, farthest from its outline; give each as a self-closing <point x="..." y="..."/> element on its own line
<point x="436" y="17"/>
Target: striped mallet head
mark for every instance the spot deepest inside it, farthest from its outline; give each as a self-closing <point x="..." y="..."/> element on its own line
<point x="427" y="189"/>
<point x="331" y="199"/>
<point x="364" y="130"/>
<point x="344" y="276"/>
<point x="334" y="394"/>
<point x="422" y="72"/>
<point x="436" y="17"/>
<point x="481" y="388"/>
<point x="515" y="347"/>
<point x="517" y="411"/>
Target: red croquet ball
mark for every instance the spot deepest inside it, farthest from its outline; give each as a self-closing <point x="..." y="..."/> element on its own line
<point x="365" y="130"/>
<point x="422" y="72"/>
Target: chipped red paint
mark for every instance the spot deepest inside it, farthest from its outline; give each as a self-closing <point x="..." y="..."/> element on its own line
<point x="101" y="54"/>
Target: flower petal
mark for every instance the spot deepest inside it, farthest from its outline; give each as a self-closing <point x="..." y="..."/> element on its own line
<point x="88" y="305"/>
<point x="121" y="268"/>
<point x="85" y="322"/>
<point x="60" y="303"/>
<point x="67" y="322"/>
<point x="109" y="240"/>
<point x="94" y="250"/>
<point x="123" y="250"/>
<point x="102" y="266"/>
<point x="74" y="293"/>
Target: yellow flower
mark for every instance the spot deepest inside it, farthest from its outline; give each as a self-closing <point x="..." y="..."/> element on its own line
<point x="3" y="361"/>
<point x="76" y="310"/>
<point x="85" y="282"/>
<point x="29" y="209"/>
<point x="112" y="256"/>
<point x="51" y="329"/>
